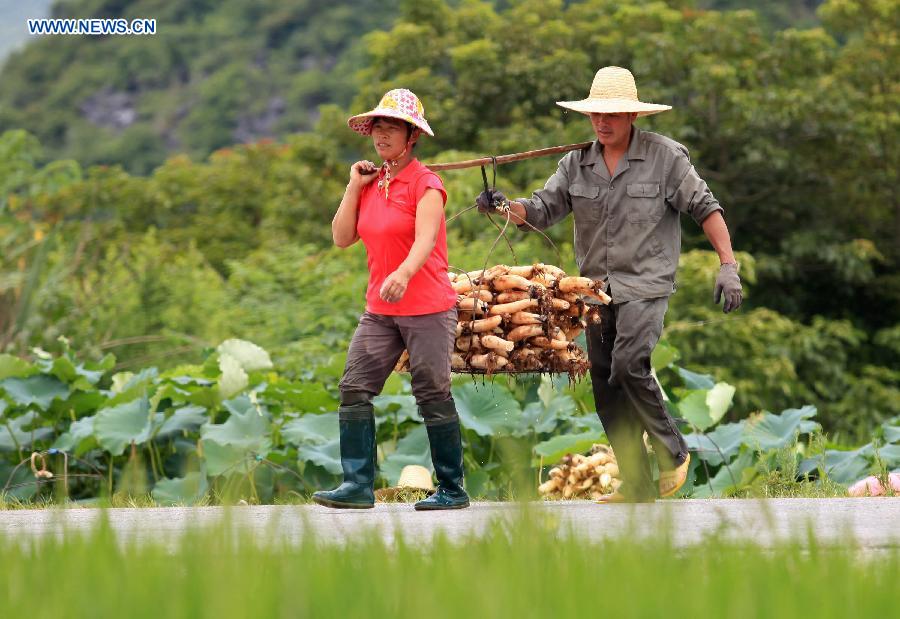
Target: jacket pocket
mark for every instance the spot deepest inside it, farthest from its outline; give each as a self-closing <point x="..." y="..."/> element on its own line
<point x="645" y="204"/>
<point x="585" y="205"/>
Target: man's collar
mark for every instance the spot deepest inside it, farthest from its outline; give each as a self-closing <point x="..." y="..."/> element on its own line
<point x="592" y="153"/>
<point x="636" y="149"/>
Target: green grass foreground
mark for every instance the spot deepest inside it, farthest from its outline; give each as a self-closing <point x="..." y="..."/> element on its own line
<point x="526" y="569"/>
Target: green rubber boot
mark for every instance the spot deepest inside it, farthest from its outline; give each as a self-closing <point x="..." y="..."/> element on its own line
<point x="357" y="427"/>
<point x="446" y="455"/>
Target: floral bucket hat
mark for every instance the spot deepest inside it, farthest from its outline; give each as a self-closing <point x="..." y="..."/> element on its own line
<point x="398" y="103"/>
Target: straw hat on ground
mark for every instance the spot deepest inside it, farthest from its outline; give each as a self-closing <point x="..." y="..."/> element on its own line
<point x="613" y="91"/>
<point x="398" y="103"/>
<point x="412" y="477"/>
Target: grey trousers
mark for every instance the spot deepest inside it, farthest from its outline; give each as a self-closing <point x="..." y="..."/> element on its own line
<point x="628" y="399"/>
<point x="377" y="344"/>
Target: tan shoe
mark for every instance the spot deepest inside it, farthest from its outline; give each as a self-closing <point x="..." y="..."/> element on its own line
<point x="615" y="497"/>
<point x="618" y="497"/>
<point x="671" y="482"/>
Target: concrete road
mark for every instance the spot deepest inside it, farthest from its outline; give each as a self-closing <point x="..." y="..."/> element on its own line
<point x="874" y="523"/>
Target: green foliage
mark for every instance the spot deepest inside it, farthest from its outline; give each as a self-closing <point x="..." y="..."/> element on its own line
<point x="778" y="14"/>
<point x="486" y="411"/>
<point x="773" y="360"/>
<point x="208" y="572"/>
<point x="188" y="434"/>
<point x="553" y="450"/>
<point x="185" y="490"/>
<point x="119" y="426"/>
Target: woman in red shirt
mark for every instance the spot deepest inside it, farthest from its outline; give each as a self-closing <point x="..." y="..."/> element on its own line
<point x="398" y="212"/>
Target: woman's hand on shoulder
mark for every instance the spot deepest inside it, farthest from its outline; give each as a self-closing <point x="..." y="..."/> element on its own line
<point x="362" y="173"/>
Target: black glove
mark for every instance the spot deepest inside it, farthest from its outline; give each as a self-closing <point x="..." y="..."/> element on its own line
<point x="729" y="283"/>
<point x="487" y="201"/>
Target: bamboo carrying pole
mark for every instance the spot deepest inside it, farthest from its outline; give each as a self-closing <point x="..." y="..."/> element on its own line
<point x="501" y="159"/>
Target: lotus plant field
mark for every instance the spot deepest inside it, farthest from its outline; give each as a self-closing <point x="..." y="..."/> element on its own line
<point x="232" y="428"/>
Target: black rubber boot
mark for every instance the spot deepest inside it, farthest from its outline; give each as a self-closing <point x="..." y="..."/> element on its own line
<point x="357" y="426"/>
<point x="447" y="456"/>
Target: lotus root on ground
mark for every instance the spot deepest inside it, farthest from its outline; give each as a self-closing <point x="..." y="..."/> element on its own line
<point x="583" y="477"/>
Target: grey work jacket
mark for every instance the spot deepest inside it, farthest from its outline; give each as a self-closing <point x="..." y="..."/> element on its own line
<point x="627" y="228"/>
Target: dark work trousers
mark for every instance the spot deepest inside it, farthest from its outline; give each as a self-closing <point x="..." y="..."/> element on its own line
<point x="377" y="344"/>
<point x="629" y="400"/>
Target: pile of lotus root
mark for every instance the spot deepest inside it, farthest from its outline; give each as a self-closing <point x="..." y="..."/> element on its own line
<point x="583" y="477"/>
<point x="517" y="319"/>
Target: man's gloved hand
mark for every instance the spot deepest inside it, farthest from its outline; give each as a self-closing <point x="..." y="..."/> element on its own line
<point x="486" y="200"/>
<point x="729" y="283"/>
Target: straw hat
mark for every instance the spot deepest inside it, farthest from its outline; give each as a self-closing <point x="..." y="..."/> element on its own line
<point x="398" y="103"/>
<point x="412" y="477"/>
<point x="415" y="476"/>
<point x="613" y="91"/>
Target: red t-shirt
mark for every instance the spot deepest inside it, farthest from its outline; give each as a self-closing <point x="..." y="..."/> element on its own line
<point x="387" y="227"/>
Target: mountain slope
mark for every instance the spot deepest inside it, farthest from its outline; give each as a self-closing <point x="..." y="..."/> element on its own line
<point x="216" y="73"/>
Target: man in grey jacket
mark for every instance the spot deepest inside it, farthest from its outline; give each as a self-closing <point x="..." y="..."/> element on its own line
<point x="627" y="191"/>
